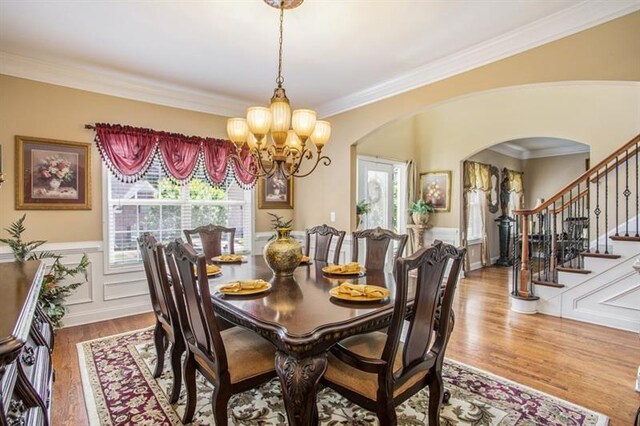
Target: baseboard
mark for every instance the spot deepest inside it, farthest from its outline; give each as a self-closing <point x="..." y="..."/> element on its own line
<point x="81" y="318"/>
<point x="478" y="265"/>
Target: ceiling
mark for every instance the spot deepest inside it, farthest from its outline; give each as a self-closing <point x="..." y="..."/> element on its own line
<point x="221" y="55"/>
<point x="526" y="148"/>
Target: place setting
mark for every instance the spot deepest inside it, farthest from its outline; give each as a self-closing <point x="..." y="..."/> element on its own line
<point x="348" y="269"/>
<point x="243" y="287"/>
<point x="356" y="292"/>
<point x="229" y="258"/>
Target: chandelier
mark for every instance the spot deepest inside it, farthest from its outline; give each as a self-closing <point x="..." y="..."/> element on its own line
<point x="280" y="140"/>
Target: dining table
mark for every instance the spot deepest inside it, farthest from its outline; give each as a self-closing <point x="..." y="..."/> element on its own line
<point x="303" y="321"/>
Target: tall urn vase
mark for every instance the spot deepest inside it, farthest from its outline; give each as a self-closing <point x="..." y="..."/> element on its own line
<point x="283" y="254"/>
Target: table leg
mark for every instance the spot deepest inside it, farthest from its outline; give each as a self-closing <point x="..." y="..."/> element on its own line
<point x="299" y="378"/>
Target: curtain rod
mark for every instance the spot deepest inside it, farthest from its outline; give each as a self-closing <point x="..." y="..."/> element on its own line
<point x="89" y="126"/>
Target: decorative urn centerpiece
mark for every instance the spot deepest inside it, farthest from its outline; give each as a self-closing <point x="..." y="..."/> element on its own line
<point x="282" y="253"/>
<point x="420" y="212"/>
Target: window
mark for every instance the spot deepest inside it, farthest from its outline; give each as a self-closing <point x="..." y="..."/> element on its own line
<point x="474" y="227"/>
<point x="157" y="205"/>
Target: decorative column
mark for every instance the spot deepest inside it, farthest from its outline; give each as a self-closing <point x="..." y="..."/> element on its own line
<point x="504" y="226"/>
<point x="417" y="235"/>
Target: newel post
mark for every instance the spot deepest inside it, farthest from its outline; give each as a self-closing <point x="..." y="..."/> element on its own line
<point x="523" y="300"/>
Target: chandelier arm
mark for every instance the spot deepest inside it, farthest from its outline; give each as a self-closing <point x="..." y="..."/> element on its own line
<point x="240" y="163"/>
<point x="326" y="161"/>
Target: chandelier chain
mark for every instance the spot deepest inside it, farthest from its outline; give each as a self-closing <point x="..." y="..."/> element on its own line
<point x="280" y="79"/>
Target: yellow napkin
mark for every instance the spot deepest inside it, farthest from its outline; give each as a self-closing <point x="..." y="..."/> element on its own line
<point x="305" y="259"/>
<point x="230" y="258"/>
<point x="359" y="290"/>
<point x="235" y="286"/>
<point x="212" y="269"/>
<point x="349" y="267"/>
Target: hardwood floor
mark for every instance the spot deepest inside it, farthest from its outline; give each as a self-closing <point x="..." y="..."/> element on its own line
<point x="585" y="364"/>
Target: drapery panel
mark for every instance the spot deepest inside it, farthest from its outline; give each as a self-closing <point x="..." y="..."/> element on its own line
<point x="129" y="151"/>
<point x="476" y="177"/>
<point x="516" y="183"/>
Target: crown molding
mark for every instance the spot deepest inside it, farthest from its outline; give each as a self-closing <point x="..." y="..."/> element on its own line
<point x="121" y="85"/>
<point x="515" y="151"/>
<point x="569" y="21"/>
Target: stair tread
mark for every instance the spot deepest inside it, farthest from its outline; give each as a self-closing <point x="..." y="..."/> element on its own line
<point x="623" y="238"/>
<point x="601" y="255"/>
<point x="547" y="283"/>
<point x="573" y="270"/>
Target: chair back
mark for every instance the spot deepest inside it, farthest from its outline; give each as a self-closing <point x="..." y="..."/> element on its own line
<point x="324" y="234"/>
<point x="431" y="308"/>
<point x="153" y="260"/>
<point x="193" y="299"/>
<point x="211" y="239"/>
<point x="376" y="245"/>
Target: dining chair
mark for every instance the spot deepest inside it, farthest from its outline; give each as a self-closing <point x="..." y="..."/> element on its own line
<point x="233" y="360"/>
<point x="211" y="239"/>
<point x="167" y="328"/>
<point x="376" y="242"/>
<point x="377" y="370"/>
<point x="324" y="234"/>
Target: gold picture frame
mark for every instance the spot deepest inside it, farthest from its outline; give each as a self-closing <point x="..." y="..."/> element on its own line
<point x="275" y="193"/>
<point x="435" y="187"/>
<point x="52" y="174"/>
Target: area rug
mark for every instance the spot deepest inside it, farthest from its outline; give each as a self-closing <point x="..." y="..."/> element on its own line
<point x="119" y="389"/>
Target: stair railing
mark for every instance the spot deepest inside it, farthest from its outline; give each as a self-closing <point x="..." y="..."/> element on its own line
<point x="556" y="235"/>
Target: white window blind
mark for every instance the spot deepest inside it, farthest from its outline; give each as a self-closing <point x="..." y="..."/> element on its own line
<point x="157" y="205"/>
<point x="474" y="227"/>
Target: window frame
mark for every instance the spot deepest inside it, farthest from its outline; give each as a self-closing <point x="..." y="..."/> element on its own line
<point x="475" y="239"/>
<point x="108" y="269"/>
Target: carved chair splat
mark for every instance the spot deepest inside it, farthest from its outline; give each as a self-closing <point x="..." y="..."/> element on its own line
<point x="324" y="234"/>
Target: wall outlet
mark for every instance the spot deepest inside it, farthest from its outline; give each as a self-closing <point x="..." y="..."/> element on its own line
<point x="332" y="217"/>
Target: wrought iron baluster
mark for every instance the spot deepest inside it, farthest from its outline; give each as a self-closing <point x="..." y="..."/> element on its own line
<point x="626" y="193"/>
<point x="597" y="211"/>
<point x="554" y="243"/>
<point x="606" y="208"/>
<point x="564" y="236"/>
<point x="588" y="215"/>
<point x="637" y="194"/>
<point x="617" y="194"/>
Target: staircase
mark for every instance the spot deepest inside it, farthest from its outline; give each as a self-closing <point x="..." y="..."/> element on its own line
<point x="573" y="254"/>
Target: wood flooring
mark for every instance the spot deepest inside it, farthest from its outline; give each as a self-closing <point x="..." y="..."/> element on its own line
<point x="586" y="364"/>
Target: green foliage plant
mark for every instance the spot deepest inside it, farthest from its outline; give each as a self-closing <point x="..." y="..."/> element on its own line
<point x="362" y="207"/>
<point x="421" y="207"/>
<point x="53" y="293"/>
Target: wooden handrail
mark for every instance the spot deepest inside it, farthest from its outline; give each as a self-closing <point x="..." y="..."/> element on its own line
<point x="621" y="161"/>
<point x="583" y="177"/>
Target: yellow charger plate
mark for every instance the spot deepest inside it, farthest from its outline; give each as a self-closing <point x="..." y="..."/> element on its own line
<point x="342" y="296"/>
<point x="242" y="292"/>
<point x="359" y="273"/>
<point x="219" y="260"/>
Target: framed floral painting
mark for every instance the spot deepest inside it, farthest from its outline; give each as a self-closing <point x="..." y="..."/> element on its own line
<point x="435" y="188"/>
<point x="52" y="174"/>
<point x="275" y="192"/>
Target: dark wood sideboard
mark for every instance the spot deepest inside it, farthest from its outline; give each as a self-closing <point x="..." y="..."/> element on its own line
<point x="26" y="342"/>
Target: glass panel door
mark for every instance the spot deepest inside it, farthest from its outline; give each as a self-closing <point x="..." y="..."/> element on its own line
<point x="375" y="186"/>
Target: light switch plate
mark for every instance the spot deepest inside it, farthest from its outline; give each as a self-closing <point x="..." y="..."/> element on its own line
<point x="332" y="216"/>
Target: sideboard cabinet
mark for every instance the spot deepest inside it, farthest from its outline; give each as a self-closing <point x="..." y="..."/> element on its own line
<point x="26" y="342"/>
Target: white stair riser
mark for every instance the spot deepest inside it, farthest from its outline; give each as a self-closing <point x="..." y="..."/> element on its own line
<point x="626" y="248"/>
<point x="571" y="279"/>
<point x="600" y="264"/>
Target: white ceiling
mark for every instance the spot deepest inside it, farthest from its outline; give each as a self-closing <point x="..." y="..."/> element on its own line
<point x="221" y="55"/>
<point x="526" y="148"/>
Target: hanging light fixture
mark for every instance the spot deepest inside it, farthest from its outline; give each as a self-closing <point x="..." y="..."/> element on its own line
<point x="278" y="139"/>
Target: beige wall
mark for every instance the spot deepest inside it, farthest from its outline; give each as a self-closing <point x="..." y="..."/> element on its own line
<point x="395" y="141"/>
<point x="546" y="176"/>
<point x="30" y="108"/>
<point x="456" y="125"/>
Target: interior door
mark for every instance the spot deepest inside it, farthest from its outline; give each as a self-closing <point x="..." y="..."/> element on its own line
<point x="375" y="186"/>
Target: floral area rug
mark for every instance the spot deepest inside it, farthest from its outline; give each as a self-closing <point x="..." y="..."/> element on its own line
<point x="119" y="389"/>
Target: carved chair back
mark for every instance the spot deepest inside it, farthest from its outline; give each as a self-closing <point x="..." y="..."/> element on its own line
<point x="193" y="299"/>
<point x="324" y="234"/>
<point x="431" y="311"/>
<point x="155" y="269"/>
<point x="376" y="243"/>
<point x="211" y="239"/>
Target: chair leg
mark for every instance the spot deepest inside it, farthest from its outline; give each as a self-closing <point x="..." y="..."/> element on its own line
<point x="158" y="341"/>
<point x="219" y="403"/>
<point x="387" y="415"/>
<point x="189" y="374"/>
<point x="436" y="390"/>
<point x="176" y="356"/>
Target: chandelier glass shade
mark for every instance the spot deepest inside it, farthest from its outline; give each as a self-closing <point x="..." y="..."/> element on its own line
<point x="280" y="139"/>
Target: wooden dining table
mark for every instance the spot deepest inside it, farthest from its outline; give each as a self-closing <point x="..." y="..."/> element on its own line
<point x="302" y="320"/>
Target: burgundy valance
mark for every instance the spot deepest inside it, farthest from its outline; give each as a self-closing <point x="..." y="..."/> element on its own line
<point x="130" y="151"/>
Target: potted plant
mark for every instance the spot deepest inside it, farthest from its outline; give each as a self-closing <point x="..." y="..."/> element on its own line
<point x="52" y="294"/>
<point x="362" y="208"/>
<point x="420" y="211"/>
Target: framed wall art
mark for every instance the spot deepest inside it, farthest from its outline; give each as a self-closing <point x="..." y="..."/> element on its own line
<point x="435" y="187"/>
<point x="52" y="174"/>
<point x="275" y="192"/>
